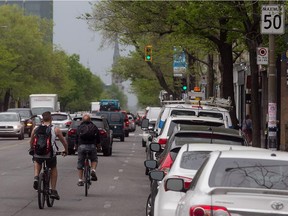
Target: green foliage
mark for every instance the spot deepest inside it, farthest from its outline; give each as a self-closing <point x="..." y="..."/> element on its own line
<point x="30" y="64"/>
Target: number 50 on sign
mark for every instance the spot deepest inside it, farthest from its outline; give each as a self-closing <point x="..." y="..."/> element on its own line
<point x="272" y="19"/>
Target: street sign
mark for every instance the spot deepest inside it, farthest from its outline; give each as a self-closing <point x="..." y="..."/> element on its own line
<point x="272" y="19"/>
<point x="179" y="62"/>
<point x="262" y="55"/>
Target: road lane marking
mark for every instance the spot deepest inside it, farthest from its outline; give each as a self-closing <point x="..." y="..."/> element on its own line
<point x="4" y="173"/>
<point x="120" y="170"/>
<point x="107" y="204"/>
<point x="116" y="178"/>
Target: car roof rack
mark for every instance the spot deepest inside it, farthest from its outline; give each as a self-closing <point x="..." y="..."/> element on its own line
<point x="213" y="101"/>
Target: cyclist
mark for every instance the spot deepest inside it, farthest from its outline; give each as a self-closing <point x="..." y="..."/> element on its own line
<point x="51" y="161"/>
<point x="87" y="139"/>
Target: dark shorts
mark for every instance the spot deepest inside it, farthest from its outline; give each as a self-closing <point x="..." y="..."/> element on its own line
<point x="50" y="162"/>
<point x="92" y="153"/>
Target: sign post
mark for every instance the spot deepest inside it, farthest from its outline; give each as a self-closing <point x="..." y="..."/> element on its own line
<point x="272" y="22"/>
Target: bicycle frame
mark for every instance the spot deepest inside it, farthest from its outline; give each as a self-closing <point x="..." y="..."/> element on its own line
<point x="87" y="172"/>
<point x="44" y="190"/>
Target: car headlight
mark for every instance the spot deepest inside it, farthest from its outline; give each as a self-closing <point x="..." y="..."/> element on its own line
<point x="29" y="124"/>
<point x="16" y="126"/>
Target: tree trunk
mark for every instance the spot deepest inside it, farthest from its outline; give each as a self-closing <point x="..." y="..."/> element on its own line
<point x="210" y="77"/>
<point x="255" y="108"/>
<point x="7" y="99"/>
<point x="225" y="51"/>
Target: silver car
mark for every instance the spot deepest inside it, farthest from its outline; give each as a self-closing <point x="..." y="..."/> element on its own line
<point x="61" y="120"/>
<point x="11" y="125"/>
<point x="236" y="183"/>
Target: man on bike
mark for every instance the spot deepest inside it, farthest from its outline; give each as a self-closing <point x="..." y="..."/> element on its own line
<point x="87" y="139"/>
<point x="51" y="159"/>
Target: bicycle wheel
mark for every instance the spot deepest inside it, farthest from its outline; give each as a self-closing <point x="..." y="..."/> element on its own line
<point x="49" y="200"/>
<point x="87" y="179"/>
<point x="41" y="192"/>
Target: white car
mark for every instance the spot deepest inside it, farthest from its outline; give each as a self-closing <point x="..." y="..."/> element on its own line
<point x="61" y="120"/>
<point x="185" y="166"/>
<point x="11" y="125"/>
<point x="151" y="115"/>
<point x="190" y="109"/>
<point x="235" y="183"/>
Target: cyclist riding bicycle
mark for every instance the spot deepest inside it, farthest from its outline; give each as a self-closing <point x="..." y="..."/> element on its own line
<point x="87" y="139"/>
<point x="51" y="161"/>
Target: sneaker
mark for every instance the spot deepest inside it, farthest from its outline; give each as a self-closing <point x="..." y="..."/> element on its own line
<point x="35" y="183"/>
<point x="55" y="195"/>
<point x="80" y="183"/>
<point x="93" y="176"/>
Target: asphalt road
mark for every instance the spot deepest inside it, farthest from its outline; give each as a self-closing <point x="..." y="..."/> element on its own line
<point x="122" y="187"/>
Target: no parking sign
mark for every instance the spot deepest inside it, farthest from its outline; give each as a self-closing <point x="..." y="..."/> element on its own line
<point x="262" y="56"/>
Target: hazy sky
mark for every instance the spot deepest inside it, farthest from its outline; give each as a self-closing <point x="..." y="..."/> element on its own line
<point x="73" y="36"/>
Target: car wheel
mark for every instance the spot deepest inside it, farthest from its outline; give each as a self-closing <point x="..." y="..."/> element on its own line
<point x="149" y="208"/>
<point x="122" y="138"/>
<point x="126" y="134"/>
<point x="143" y="143"/>
<point x="106" y="151"/>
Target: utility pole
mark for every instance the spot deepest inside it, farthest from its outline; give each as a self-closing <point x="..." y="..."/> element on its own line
<point x="272" y="23"/>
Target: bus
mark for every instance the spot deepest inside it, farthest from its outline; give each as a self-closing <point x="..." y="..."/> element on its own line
<point x="109" y="105"/>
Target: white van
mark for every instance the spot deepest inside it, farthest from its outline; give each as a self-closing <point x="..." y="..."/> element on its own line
<point x="190" y="109"/>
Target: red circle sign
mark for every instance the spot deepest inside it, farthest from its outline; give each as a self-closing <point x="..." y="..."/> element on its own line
<point x="262" y="51"/>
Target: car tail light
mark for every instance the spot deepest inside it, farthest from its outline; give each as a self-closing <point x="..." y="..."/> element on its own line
<point x="205" y="210"/>
<point x="127" y="123"/>
<point x="162" y="142"/>
<point x="103" y="133"/>
<point x="71" y="132"/>
<point x="68" y="123"/>
<point x="166" y="164"/>
<point x="187" y="182"/>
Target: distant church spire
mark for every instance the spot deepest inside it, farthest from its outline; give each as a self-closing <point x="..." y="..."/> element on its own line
<point x="116" y="79"/>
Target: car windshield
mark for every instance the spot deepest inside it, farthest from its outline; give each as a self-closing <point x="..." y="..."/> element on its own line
<point x="211" y="114"/>
<point x="98" y="123"/>
<point x="23" y="113"/>
<point x="8" y="118"/>
<point x="193" y="159"/>
<point x="58" y="117"/>
<point x="249" y="173"/>
<point x="40" y="110"/>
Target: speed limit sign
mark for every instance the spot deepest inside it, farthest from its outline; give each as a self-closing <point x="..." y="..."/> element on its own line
<point x="272" y="19"/>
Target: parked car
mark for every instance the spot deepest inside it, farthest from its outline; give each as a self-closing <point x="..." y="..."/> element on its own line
<point x="192" y="109"/>
<point x="116" y="123"/>
<point x="172" y="121"/>
<point x="236" y="183"/>
<point x="62" y="120"/>
<point x="151" y="115"/>
<point x="11" y="125"/>
<point x="182" y="135"/>
<point x="189" y="159"/>
<point x="106" y="134"/>
<point x="27" y="118"/>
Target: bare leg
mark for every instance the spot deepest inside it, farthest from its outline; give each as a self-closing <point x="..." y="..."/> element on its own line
<point x="54" y="175"/>
<point x="37" y="168"/>
<point x="80" y="173"/>
<point x="93" y="165"/>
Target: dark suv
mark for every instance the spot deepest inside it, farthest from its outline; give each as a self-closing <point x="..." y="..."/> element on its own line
<point x="116" y="123"/>
<point x="106" y="137"/>
<point x="26" y="117"/>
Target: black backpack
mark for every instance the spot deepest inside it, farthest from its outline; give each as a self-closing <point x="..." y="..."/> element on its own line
<point x="87" y="131"/>
<point x="42" y="140"/>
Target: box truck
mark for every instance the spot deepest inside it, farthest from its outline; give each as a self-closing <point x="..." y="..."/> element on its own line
<point x="40" y="103"/>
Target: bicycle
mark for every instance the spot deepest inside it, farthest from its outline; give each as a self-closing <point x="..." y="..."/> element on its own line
<point x="87" y="173"/>
<point x="44" y="190"/>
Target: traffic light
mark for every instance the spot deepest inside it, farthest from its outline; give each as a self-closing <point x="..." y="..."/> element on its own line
<point x="184" y="86"/>
<point x="148" y="53"/>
